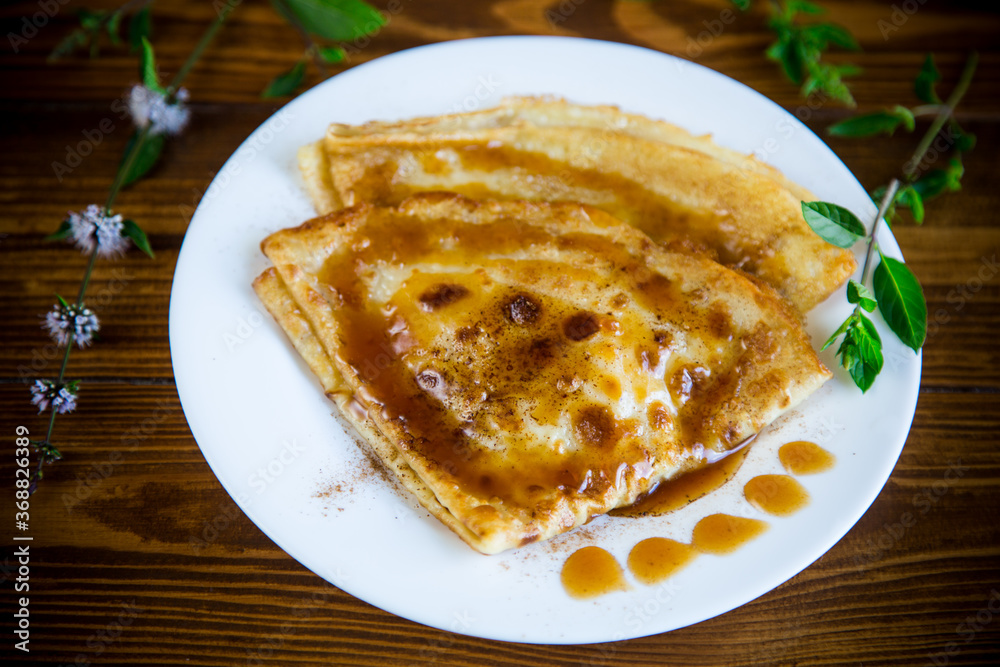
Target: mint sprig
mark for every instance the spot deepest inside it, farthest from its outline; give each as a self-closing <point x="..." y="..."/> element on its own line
<point x="860" y="353"/>
<point x="896" y="293"/>
<point x="921" y="184"/>
<point x="799" y="48"/>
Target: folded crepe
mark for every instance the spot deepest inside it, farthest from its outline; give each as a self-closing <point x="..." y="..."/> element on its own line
<point x="681" y="190"/>
<point x="522" y="367"/>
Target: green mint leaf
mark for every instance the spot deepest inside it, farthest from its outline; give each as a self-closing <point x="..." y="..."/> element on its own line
<point x="139" y="238"/>
<point x="931" y="184"/>
<point x="332" y="54"/>
<point x="804" y="7"/>
<point x="962" y="141"/>
<point x="847" y="69"/>
<point x="839" y="91"/>
<point x="910" y="198"/>
<point x="147" y="67"/>
<point x="149" y="153"/>
<point x="834" y="224"/>
<point x="906" y="116"/>
<point x="824" y="34"/>
<point x="286" y="83"/>
<point x="339" y="20"/>
<point x="861" y="351"/>
<point x="113" y="27"/>
<point x="965" y="142"/>
<point x="926" y="81"/>
<point x="62" y="301"/>
<point x="89" y="19"/>
<point x="799" y="56"/>
<point x="812" y="85"/>
<point x="63" y="232"/>
<point x="837" y="334"/>
<point x="860" y="295"/>
<point x="938" y="181"/>
<point x="69" y="45"/>
<point x="867" y="125"/>
<point x="742" y="5"/>
<point x="140" y="27"/>
<point x="901" y="301"/>
<point x="788" y="52"/>
<point x="955" y="171"/>
<point x="916" y="204"/>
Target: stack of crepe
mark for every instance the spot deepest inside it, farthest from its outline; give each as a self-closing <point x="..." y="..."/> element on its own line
<point x="537" y="313"/>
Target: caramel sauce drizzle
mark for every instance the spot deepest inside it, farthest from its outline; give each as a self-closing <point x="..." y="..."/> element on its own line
<point x="805" y="458"/>
<point x="530" y="330"/>
<point x="779" y="495"/>
<point x="592" y="571"/>
<point x="676" y="493"/>
<point x="659" y="217"/>
<point x="724" y="533"/>
<point x="657" y="558"/>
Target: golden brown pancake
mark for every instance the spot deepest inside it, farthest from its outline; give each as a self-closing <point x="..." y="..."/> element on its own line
<point x="523" y="367"/>
<point x="680" y="189"/>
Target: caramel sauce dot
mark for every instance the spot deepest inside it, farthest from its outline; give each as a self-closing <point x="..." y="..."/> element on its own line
<point x="581" y="326"/>
<point x="522" y="309"/>
<point x="592" y="571"/>
<point x="656" y="558"/>
<point x="805" y="458"/>
<point x="779" y="495"/>
<point x="723" y="533"/>
<point x="441" y="295"/>
<point x="594" y="425"/>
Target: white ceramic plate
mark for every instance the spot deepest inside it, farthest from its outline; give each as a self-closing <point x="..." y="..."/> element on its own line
<point x="269" y="435"/>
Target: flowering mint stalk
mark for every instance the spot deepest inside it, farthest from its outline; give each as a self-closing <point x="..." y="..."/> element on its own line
<point x="97" y="231"/>
<point x="65" y="319"/>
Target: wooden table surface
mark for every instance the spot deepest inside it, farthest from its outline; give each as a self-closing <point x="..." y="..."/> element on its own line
<point x="112" y="524"/>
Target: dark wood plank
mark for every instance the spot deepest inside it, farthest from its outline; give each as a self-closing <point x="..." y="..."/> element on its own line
<point x="954" y="253"/>
<point x="257" y="45"/>
<point x="133" y="515"/>
<point x="137" y="517"/>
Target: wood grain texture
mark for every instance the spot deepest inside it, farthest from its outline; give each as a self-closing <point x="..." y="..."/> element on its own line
<point x="141" y="558"/>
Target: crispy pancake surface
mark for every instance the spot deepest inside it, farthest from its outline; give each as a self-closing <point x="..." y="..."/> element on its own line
<point x="676" y="187"/>
<point x="522" y="366"/>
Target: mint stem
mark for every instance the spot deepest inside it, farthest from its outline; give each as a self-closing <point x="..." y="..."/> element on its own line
<point x="887" y="198"/>
<point x="200" y="48"/>
<point x="126" y="166"/>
